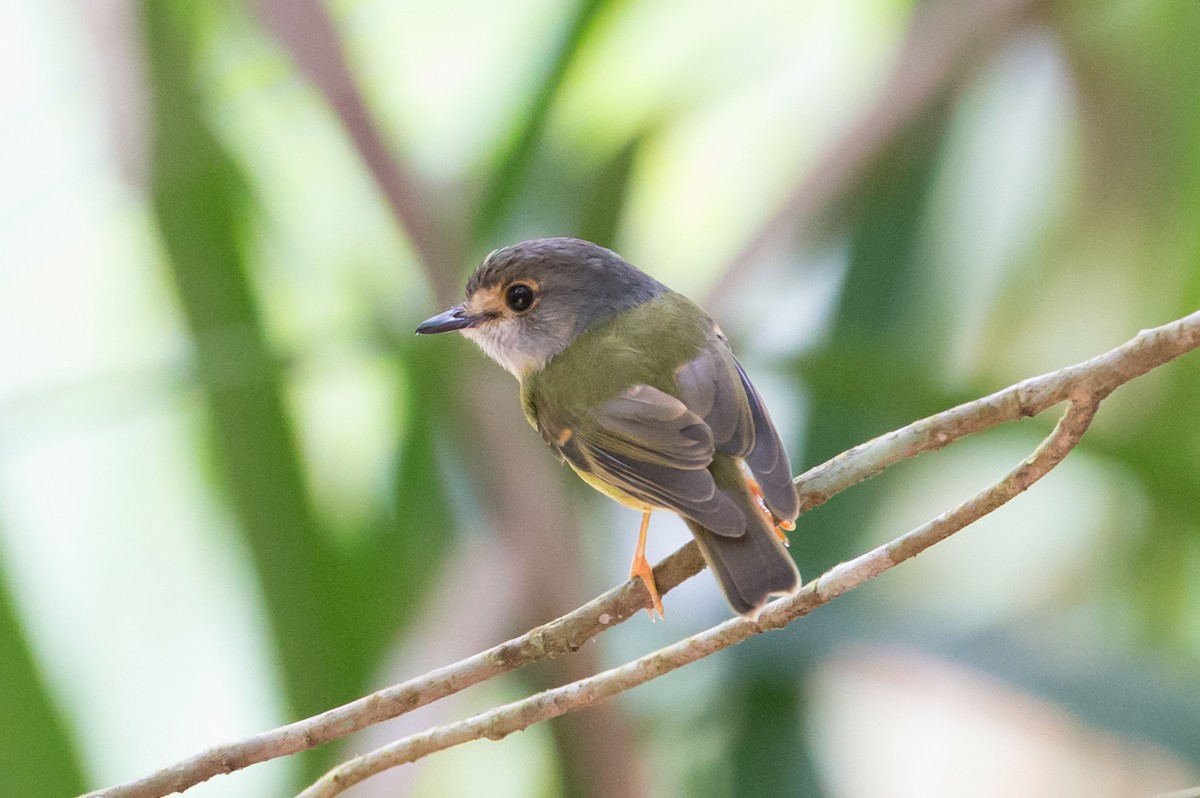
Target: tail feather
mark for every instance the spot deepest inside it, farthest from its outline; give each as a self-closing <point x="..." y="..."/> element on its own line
<point x="749" y="568"/>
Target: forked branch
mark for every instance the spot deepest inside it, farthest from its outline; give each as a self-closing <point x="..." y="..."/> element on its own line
<point x="495" y="724"/>
<point x="1084" y="385"/>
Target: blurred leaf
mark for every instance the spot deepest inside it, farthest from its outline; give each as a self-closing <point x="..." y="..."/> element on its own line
<point x="402" y="553"/>
<point x="199" y="199"/>
<point x="504" y="182"/>
<point x="37" y="755"/>
<point x="881" y="333"/>
<point x="1144" y="147"/>
<point x="605" y="201"/>
<point x="770" y="759"/>
<point x="567" y="199"/>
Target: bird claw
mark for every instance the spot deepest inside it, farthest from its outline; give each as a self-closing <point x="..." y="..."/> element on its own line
<point x="780" y="526"/>
<point x="642" y="570"/>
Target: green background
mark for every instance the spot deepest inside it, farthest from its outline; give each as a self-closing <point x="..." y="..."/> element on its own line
<point x="235" y="489"/>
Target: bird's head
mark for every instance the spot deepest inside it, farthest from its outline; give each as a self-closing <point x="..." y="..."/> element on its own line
<point x="528" y="302"/>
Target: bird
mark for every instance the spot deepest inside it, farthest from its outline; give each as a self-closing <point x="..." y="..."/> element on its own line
<point x="636" y="388"/>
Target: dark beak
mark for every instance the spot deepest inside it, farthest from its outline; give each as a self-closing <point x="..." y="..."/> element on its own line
<point x="453" y="319"/>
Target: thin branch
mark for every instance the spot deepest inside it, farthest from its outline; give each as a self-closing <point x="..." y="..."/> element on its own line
<point x="498" y="723"/>
<point x="1086" y="382"/>
<point x="1099" y="375"/>
<point x="561" y="636"/>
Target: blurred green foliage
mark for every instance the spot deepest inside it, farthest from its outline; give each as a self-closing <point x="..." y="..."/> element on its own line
<point x="37" y="755"/>
<point x="1039" y="210"/>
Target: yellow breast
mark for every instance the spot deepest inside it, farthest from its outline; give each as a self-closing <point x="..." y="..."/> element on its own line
<point x="613" y="492"/>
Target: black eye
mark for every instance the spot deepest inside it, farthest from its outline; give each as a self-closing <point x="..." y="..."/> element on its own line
<point x="519" y="297"/>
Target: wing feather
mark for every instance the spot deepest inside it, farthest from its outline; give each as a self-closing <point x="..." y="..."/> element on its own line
<point x="716" y="388"/>
<point x="710" y="387"/>
<point x="768" y="460"/>
<point x="650" y="445"/>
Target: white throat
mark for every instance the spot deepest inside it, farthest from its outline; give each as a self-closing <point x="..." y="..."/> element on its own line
<point x="497" y="342"/>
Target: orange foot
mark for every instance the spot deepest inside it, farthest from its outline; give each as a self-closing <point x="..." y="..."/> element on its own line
<point x="781" y="527"/>
<point x="642" y="570"/>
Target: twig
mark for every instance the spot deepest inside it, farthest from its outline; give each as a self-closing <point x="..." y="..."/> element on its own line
<point x="1085" y="383"/>
<point x="1100" y="375"/>
<point x="561" y="636"/>
<point x="498" y="723"/>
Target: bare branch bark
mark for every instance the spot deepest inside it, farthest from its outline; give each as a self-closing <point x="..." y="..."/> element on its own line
<point x="1101" y="374"/>
<point x="498" y="723"/>
<point x="1084" y="384"/>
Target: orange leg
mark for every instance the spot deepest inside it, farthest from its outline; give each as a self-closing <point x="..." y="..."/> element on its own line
<point x="641" y="569"/>
<point x="781" y="527"/>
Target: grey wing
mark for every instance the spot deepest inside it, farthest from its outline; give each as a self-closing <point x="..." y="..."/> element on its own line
<point x="716" y="388"/>
<point x="655" y="427"/>
<point x="711" y="388"/>
<point x="768" y="460"/>
<point x="650" y="445"/>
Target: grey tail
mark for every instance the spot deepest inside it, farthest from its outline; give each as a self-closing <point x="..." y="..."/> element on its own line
<point x="751" y="567"/>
